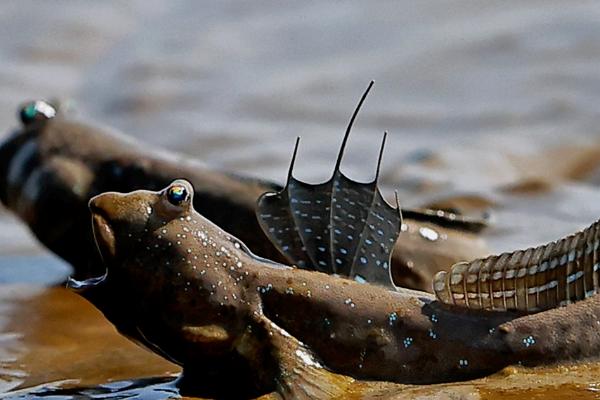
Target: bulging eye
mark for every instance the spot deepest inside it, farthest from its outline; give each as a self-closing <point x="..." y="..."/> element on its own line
<point x="177" y="194"/>
<point x="36" y="111"/>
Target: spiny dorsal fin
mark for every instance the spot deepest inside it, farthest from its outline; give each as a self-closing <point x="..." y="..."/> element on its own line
<point x="339" y="227"/>
<point x="529" y="280"/>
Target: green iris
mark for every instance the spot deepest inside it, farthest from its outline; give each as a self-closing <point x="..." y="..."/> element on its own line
<point x="29" y="112"/>
<point x="177" y="194"/>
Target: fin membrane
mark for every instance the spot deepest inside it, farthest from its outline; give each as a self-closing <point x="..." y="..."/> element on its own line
<point x="339" y="227"/>
<point x="529" y="280"/>
<point x="301" y="375"/>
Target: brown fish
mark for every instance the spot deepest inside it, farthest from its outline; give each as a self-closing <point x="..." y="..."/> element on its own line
<point x="186" y="289"/>
<point x="52" y="165"/>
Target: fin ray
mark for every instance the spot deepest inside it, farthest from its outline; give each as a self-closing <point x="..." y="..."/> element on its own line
<point x="301" y="375"/>
<point x="530" y="280"/>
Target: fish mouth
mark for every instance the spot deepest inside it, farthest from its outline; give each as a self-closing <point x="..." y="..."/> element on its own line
<point x="104" y="235"/>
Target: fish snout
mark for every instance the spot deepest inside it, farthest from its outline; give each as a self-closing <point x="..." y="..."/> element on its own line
<point x="98" y="204"/>
<point x="18" y="151"/>
<point x="119" y="220"/>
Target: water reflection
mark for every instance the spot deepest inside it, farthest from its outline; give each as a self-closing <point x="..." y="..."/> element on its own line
<point x="150" y="388"/>
<point x="53" y="335"/>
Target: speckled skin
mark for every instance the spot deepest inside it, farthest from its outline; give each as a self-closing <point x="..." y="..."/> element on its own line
<point x="51" y="168"/>
<point x="196" y="295"/>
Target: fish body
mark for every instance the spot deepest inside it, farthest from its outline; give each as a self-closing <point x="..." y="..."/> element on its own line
<point x="53" y="164"/>
<point x="196" y="294"/>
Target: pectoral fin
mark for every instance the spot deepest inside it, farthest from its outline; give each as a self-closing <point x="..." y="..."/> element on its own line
<point x="301" y="375"/>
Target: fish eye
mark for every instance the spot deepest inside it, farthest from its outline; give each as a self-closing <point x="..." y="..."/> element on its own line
<point x="177" y="194"/>
<point x="36" y="111"/>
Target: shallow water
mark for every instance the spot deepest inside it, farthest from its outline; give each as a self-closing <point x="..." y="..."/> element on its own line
<point x="490" y="106"/>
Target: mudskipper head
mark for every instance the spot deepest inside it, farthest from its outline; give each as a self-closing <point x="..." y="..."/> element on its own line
<point x="122" y="223"/>
<point x="19" y="155"/>
<point x="174" y="270"/>
<point x="52" y="164"/>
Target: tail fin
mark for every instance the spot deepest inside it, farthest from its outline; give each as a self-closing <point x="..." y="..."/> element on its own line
<point x="529" y="280"/>
<point x="340" y="227"/>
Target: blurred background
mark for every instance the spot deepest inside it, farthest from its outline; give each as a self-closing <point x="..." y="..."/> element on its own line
<point x="475" y="95"/>
<point x="490" y="105"/>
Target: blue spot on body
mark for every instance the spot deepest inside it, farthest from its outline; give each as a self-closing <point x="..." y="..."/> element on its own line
<point x="528" y="341"/>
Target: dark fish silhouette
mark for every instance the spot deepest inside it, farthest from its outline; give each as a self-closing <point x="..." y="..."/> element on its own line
<point x="52" y="165"/>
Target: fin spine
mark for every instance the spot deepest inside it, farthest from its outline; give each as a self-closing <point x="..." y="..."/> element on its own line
<point x="338" y="162"/>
